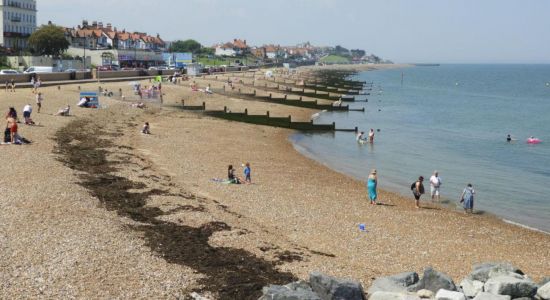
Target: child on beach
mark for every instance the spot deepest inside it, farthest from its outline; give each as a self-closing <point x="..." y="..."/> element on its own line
<point x="146" y="128"/>
<point x="39" y="99"/>
<point x="247" y="171"/>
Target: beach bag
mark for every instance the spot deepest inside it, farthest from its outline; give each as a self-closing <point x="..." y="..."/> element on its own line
<point x="413" y="185"/>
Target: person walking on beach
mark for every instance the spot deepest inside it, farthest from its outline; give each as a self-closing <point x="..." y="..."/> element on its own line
<point x="418" y="189"/>
<point x="39" y="99"/>
<point x="12" y="85"/>
<point x="372" y="187"/>
<point x="247" y="173"/>
<point x="467" y="198"/>
<point x="371" y="136"/>
<point x="435" y="183"/>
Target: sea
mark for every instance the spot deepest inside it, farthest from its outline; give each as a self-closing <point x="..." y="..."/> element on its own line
<point x="453" y="119"/>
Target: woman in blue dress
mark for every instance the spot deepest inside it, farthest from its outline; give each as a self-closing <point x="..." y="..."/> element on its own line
<point x="372" y="184"/>
<point x="467" y="198"/>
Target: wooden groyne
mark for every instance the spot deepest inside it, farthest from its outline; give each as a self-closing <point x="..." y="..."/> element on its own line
<point x="286" y="100"/>
<point x="267" y="119"/>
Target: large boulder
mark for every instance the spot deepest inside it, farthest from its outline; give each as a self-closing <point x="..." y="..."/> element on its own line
<point x="471" y="288"/>
<point x="489" y="296"/>
<point x="482" y="272"/>
<point x="395" y="283"/>
<point x="434" y="281"/>
<point x="544" y="291"/>
<point x="512" y="286"/>
<point x="330" y="288"/>
<point x="449" y="295"/>
<point x="294" y="291"/>
<point x="425" y="294"/>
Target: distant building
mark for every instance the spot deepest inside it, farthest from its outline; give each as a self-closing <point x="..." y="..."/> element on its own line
<point x="97" y="36"/>
<point x="106" y="45"/>
<point x="18" y="22"/>
<point x="235" y="48"/>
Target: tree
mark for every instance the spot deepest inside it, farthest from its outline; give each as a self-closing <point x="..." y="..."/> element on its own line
<point x="358" y="53"/>
<point x="186" y="46"/>
<point x="49" y="40"/>
<point x="339" y="50"/>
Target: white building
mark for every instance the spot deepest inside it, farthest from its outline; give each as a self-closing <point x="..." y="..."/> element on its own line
<point x="18" y="22"/>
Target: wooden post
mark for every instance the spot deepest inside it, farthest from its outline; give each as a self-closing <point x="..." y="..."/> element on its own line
<point x="289" y="119"/>
<point x="246" y="111"/>
<point x="254" y="93"/>
<point x="333" y="125"/>
<point x="315" y="101"/>
<point x="300" y="98"/>
<point x="225" y="109"/>
<point x="204" y="106"/>
<point x="356" y="129"/>
<point x="239" y="91"/>
<point x="268" y="114"/>
<point x="270" y="96"/>
<point x="182" y="102"/>
<point x="286" y="96"/>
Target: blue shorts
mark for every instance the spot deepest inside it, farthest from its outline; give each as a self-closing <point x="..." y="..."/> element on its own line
<point x="26" y="114"/>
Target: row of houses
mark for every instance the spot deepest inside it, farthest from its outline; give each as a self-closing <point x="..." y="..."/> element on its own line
<point x="239" y="47"/>
<point x="98" y="36"/>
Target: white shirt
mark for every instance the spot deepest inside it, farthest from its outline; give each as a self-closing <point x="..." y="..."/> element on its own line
<point x="435" y="181"/>
<point x="27" y="108"/>
<point x="39" y="98"/>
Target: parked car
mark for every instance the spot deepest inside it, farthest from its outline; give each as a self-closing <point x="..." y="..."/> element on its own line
<point x="32" y="70"/>
<point x="104" y="68"/>
<point x="70" y="70"/>
<point x="8" y="71"/>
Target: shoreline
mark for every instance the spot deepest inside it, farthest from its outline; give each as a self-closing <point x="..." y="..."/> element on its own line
<point x="298" y="215"/>
<point x="445" y="202"/>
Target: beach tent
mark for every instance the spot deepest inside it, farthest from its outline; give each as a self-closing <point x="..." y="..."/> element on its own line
<point x="92" y="99"/>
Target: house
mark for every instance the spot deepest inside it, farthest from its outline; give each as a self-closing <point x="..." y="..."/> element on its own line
<point x="235" y="48"/>
<point x="97" y="36"/>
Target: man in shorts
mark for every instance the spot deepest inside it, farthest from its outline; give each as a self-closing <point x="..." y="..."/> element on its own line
<point x="435" y="183"/>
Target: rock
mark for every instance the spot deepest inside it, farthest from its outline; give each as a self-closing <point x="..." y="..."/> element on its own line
<point x="471" y="288"/>
<point x="512" y="286"/>
<point x="330" y="288"/>
<point x="293" y="291"/>
<point x="433" y="281"/>
<point x="196" y="296"/>
<point x="395" y="283"/>
<point x="483" y="272"/>
<point x="391" y="296"/>
<point x="544" y="281"/>
<point x="425" y="294"/>
<point x="443" y="294"/>
<point x="544" y="291"/>
<point x="489" y="296"/>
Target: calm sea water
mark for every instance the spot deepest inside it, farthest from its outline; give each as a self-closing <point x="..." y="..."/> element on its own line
<point x="454" y="119"/>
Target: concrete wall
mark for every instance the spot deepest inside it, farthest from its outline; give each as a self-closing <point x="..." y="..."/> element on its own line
<point x="22" y="62"/>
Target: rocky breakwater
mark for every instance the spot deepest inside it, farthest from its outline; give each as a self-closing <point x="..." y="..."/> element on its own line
<point x="487" y="281"/>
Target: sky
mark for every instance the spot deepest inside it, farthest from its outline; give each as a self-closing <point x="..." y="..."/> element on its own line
<point x="406" y="31"/>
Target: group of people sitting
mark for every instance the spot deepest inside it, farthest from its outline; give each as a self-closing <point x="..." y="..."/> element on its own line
<point x="232" y="178"/>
